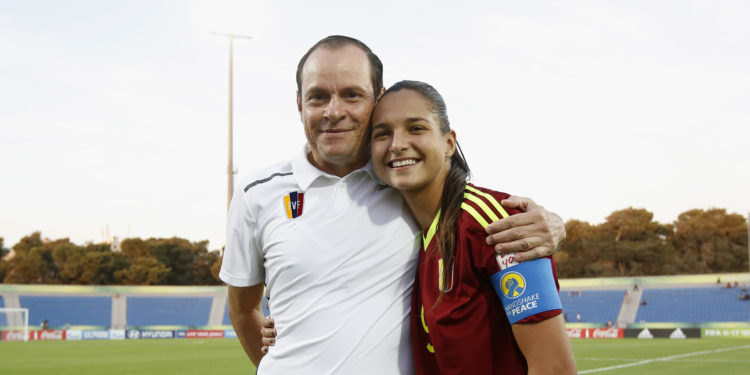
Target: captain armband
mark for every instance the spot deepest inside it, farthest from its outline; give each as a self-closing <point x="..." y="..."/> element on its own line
<point x="526" y="289"/>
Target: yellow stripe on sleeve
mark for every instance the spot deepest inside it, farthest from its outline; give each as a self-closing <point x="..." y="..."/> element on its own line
<point x="490" y="198"/>
<point x="479" y="202"/>
<point x="477" y="216"/>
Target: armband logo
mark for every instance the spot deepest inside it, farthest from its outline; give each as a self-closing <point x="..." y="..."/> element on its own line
<point x="513" y="285"/>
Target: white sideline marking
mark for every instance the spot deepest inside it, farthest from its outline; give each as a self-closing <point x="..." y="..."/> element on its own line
<point x="669" y="358"/>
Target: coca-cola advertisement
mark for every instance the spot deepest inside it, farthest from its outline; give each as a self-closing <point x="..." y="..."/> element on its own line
<point x="13" y="335"/>
<point x="50" y="334"/>
<point x="595" y="333"/>
<point x="576" y="333"/>
<point x="606" y="333"/>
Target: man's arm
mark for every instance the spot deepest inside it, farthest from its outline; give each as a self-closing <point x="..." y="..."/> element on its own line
<point x="531" y="234"/>
<point x="247" y="318"/>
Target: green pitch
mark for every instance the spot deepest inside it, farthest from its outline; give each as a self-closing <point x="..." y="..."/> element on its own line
<point x="224" y="356"/>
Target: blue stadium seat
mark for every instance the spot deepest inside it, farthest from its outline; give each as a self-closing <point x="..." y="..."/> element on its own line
<point x="228" y="322"/>
<point x="595" y="306"/>
<point x="78" y="310"/>
<point x="693" y="305"/>
<point x="151" y="311"/>
<point x="3" y="318"/>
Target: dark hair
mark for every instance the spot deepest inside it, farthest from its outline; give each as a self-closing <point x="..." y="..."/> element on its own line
<point x="455" y="181"/>
<point x="338" y="41"/>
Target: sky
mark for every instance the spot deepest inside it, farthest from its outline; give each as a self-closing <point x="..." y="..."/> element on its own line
<point x="113" y="114"/>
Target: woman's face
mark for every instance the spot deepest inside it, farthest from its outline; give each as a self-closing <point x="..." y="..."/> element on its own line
<point x="409" y="150"/>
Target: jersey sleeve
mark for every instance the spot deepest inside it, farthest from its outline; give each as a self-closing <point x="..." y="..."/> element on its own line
<point x="242" y="264"/>
<point x="483" y="209"/>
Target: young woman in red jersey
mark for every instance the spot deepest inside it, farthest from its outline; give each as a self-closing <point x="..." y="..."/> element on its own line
<point x="459" y="324"/>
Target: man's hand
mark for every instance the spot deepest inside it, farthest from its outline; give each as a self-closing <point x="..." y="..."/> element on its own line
<point x="532" y="234"/>
<point x="269" y="335"/>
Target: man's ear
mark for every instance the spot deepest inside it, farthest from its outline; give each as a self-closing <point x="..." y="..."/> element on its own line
<point x="380" y="94"/>
<point x="299" y="103"/>
<point x="450" y="143"/>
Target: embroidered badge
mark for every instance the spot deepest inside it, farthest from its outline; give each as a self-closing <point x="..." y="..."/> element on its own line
<point x="293" y="204"/>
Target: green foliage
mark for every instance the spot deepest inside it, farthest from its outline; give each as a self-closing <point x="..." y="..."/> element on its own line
<point x="3" y="250"/>
<point x="142" y="271"/>
<point x="4" y="266"/>
<point x="631" y="243"/>
<point x="711" y="241"/>
<point x="155" y="261"/>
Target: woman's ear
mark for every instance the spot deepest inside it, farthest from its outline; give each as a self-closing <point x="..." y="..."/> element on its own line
<point x="450" y="143"/>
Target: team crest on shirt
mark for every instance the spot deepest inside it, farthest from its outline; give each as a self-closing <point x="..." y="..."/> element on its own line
<point x="513" y="285"/>
<point x="293" y="203"/>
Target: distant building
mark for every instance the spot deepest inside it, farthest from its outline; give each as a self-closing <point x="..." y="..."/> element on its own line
<point x="114" y="246"/>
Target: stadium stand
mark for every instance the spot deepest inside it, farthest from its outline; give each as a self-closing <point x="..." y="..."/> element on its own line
<point x="228" y="322"/>
<point x="77" y="310"/>
<point x="694" y="305"/>
<point x="595" y="306"/>
<point x="152" y="311"/>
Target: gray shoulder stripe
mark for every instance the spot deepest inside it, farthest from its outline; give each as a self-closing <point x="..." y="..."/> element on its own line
<point x="258" y="182"/>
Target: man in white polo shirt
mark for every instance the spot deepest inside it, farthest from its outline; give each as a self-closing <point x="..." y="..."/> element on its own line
<point x="334" y="247"/>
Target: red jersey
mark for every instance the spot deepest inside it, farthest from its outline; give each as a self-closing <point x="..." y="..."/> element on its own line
<point x="466" y="331"/>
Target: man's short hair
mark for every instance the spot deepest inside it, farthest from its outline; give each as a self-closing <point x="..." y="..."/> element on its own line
<point x="338" y="41"/>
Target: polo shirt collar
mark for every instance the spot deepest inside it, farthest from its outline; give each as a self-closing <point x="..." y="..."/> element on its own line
<point x="306" y="173"/>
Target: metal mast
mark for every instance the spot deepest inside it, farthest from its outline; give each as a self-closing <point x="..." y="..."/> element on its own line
<point x="230" y="165"/>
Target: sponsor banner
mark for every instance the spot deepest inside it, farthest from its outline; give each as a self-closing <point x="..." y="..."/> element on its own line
<point x="595" y="333"/>
<point x="14" y="335"/>
<point x="180" y="334"/>
<point x="74" y="334"/>
<point x="135" y="334"/>
<point x="743" y="333"/>
<point x="204" y="334"/>
<point x="50" y="334"/>
<point x="663" y="333"/>
<point x="230" y="334"/>
<point x="95" y="335"/>
<point x="117" y="334"/>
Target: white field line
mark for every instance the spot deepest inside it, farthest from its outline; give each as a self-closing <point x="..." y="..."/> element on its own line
<point x="669" y="358"/>
<point x="620" y="359"/>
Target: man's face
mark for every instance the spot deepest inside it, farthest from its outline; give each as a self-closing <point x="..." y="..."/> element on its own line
<point x="334" y="103"/>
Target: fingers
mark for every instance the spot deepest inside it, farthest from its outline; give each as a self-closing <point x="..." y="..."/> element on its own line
<point x="514" y="227"/>
<point x="521" y="203"/>
<point x="268" y="322"/>
<point x="535" y="253"/>
<point x="268" y="341"/>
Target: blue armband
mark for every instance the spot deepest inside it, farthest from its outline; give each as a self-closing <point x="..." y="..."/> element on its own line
<point x="526" y="289"/>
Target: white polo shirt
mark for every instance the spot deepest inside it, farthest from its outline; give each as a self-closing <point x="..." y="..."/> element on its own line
<point x="338" y="272"/>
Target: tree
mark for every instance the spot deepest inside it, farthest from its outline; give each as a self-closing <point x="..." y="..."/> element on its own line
<point x="216" y="267"/>
<point x="3" y="250"/>
<point x="4" y="265"/>
<point x="711" y="241"/>
<point x="32" y="261"/>
<point x="578" y="254"/>
<point x="636" y="244"/>
<point x="89" y="265"/>
<point x="142" y="271"/>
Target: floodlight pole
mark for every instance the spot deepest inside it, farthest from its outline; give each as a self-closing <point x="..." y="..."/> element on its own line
<point x="230" y="165"/>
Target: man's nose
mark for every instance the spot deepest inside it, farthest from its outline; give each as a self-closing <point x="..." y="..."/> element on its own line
<point x="335" y="110"/>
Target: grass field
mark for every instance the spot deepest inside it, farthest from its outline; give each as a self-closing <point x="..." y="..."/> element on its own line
<point x="224" y="356"/>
